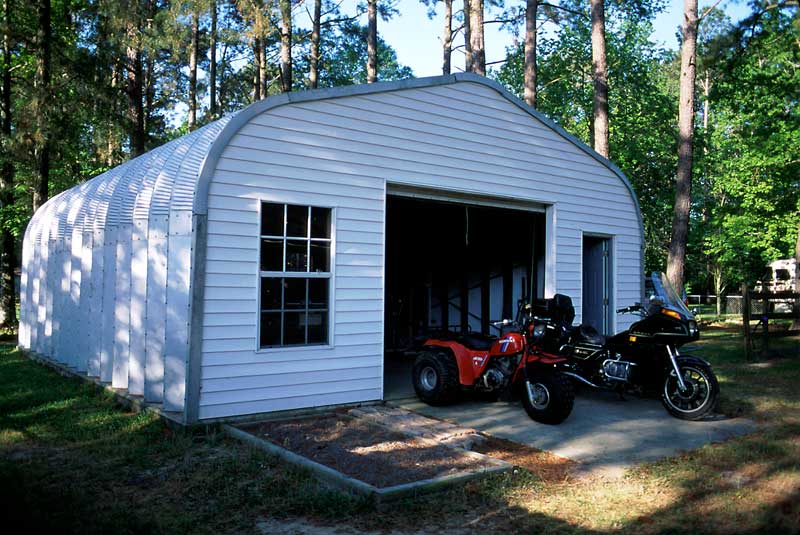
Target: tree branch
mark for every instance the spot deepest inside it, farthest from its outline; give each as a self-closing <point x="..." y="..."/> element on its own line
<point x="562" y="8"/>
<point x="708" y="10"/>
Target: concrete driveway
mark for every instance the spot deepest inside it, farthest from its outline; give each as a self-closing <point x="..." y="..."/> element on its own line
<point x="603" y="433"/>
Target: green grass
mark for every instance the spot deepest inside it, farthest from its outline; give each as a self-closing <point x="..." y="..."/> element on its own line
<point x="72" y="461"/>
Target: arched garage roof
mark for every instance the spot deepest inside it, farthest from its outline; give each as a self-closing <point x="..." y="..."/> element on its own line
<point x="160" y="182"/>
<point x="176" y="176"/>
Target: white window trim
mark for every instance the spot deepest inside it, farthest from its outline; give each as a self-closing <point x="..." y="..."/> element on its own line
<point x="331" y="275"/>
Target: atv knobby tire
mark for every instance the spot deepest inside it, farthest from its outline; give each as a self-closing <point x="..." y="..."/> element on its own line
<point x="435" y="377"/>
<point x="548" y="397"/>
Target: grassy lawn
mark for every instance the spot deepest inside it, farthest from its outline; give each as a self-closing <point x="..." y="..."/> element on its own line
<point x="72" y="461"/>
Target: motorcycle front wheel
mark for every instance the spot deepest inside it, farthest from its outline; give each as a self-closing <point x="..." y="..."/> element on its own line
<point x="700" y="396"/>
<point x="548" y="398"/>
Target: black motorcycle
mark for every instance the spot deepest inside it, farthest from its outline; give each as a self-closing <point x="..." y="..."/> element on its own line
<point x="643" y="359"/>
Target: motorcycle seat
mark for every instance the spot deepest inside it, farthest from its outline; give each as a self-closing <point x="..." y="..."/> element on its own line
<point x="477" y="342"/>
<point x="589" y="334"/>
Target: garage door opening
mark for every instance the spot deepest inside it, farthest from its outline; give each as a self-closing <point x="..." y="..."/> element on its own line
<point x="453" y="267"/>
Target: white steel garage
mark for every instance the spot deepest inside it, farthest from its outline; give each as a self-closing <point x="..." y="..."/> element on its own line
<point x="242" y="268"/>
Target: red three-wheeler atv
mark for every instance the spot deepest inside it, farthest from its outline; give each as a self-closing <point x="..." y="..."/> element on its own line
<point x="495" y="366"/>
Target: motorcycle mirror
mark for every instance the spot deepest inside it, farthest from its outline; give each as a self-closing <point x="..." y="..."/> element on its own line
<point x="695" y="311"/>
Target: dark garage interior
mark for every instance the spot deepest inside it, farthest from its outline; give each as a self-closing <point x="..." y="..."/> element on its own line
<point x="453" y="267"/>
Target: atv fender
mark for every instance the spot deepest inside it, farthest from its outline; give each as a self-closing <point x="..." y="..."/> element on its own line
<point x="461" y="355"/>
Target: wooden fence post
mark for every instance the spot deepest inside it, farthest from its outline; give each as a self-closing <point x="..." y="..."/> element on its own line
<point x="746" y="319"/>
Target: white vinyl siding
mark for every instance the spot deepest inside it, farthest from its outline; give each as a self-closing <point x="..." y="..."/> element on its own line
<point x="343" y="152"/>
<point x="108" y="273"/>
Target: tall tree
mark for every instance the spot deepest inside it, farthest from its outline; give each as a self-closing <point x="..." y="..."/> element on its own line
<point x="8" y="260"/>
<point x="313" y="62"/>
<point x="676" y="258"/>
<point x="531" y="9"/>
<point x="286" y="45"/>
<point x="753" y="203"/>
<point x="467" y="35"/>
<point x="477" y="57"/>
<point x="212" y="63"/>
<point x="194" y="49"/>
<point x="343" y="57"/>
<point x="447" y="36"/>
<point x="134" y="87"/>
<point x="44" y="38"/>
<point x="600" y="77"/>
<point x="372" y="41"/>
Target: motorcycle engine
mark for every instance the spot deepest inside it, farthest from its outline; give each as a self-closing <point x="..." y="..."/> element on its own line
<point x="499" y="372"/>
<point x="617" y="370"/>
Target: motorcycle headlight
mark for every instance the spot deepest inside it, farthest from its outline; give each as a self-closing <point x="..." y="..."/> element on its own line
<point x="538" y="331"/>
<point x="692" y="328"/>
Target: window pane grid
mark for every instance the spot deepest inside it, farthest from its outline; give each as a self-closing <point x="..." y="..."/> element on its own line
<point x="295" y="319"/>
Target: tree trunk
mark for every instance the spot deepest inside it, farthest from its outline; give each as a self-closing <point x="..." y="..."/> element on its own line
<point x="600" y="77"/>
<point x="148" y="76"/>
<point x="257" y="69"/>
<point x="135" y="93"/>
<point x="683" y="188"/>
<point x="530" y="52"/>
<point x="42" y="88"/>
<point x="372" y="41"/>
<point x="8" y="256"/>
<point x="193" y="51"/>
<point x="113" y="142"/>
<point x="796" y="321"/>
<point x="478" y="52"/>
<point x="447" y="36"/>
<point x="148" y="91"/>
<point x="262" y="66"/>
<point x="719" y="287"/>
<point x="313" y="63"/>
<point x="467" y="35"/>
<point x="286" y="45"/>
<point x="212" y="66"/>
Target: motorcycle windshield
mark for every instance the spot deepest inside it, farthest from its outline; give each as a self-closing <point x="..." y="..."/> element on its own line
<point x="665" y="291"/>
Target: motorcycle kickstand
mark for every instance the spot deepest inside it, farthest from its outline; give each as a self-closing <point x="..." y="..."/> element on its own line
<point x="621" y="393"/>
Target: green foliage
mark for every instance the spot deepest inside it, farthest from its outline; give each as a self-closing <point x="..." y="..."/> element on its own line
<point x="642" y="104"/>
<point x="344" y="59"/>
<point x="751" y="166"/>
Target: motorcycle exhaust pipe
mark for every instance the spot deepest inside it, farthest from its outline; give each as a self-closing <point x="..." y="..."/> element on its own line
<point x="581" y="379"/>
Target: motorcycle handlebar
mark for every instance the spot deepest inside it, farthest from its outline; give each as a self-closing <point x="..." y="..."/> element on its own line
<point x="632" y="308"/>
<point x="501" y="323"/>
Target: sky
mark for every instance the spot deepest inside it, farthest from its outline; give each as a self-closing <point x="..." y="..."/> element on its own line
<point x="417" y="38"/>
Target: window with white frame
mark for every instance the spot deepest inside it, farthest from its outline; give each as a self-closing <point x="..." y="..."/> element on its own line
<point x="295" y="275"/>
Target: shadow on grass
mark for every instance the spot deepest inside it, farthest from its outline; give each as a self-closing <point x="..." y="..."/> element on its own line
<point x="71" y="461"/>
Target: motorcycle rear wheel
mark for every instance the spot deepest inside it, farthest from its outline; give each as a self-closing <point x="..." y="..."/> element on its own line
<point x="700" y="396"/>
<point x="548" y="398"/>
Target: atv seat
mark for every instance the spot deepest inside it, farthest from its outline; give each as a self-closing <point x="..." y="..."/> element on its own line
<point x="588" y="334"/>
<point x="476" y="341"/>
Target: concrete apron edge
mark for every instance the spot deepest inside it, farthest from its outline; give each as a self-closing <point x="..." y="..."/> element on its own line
<point x="346" y="483"/>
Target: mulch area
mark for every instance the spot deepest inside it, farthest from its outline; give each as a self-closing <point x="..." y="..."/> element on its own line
<point x="546" y="465"/>
<point x="365" y="451"/>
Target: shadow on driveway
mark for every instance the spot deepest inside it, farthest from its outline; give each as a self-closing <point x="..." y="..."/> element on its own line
<point x="604" y="434"/>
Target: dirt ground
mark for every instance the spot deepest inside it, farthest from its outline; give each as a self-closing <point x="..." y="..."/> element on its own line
<point x="365" y="451"/>
<point x="546" y="465"/>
